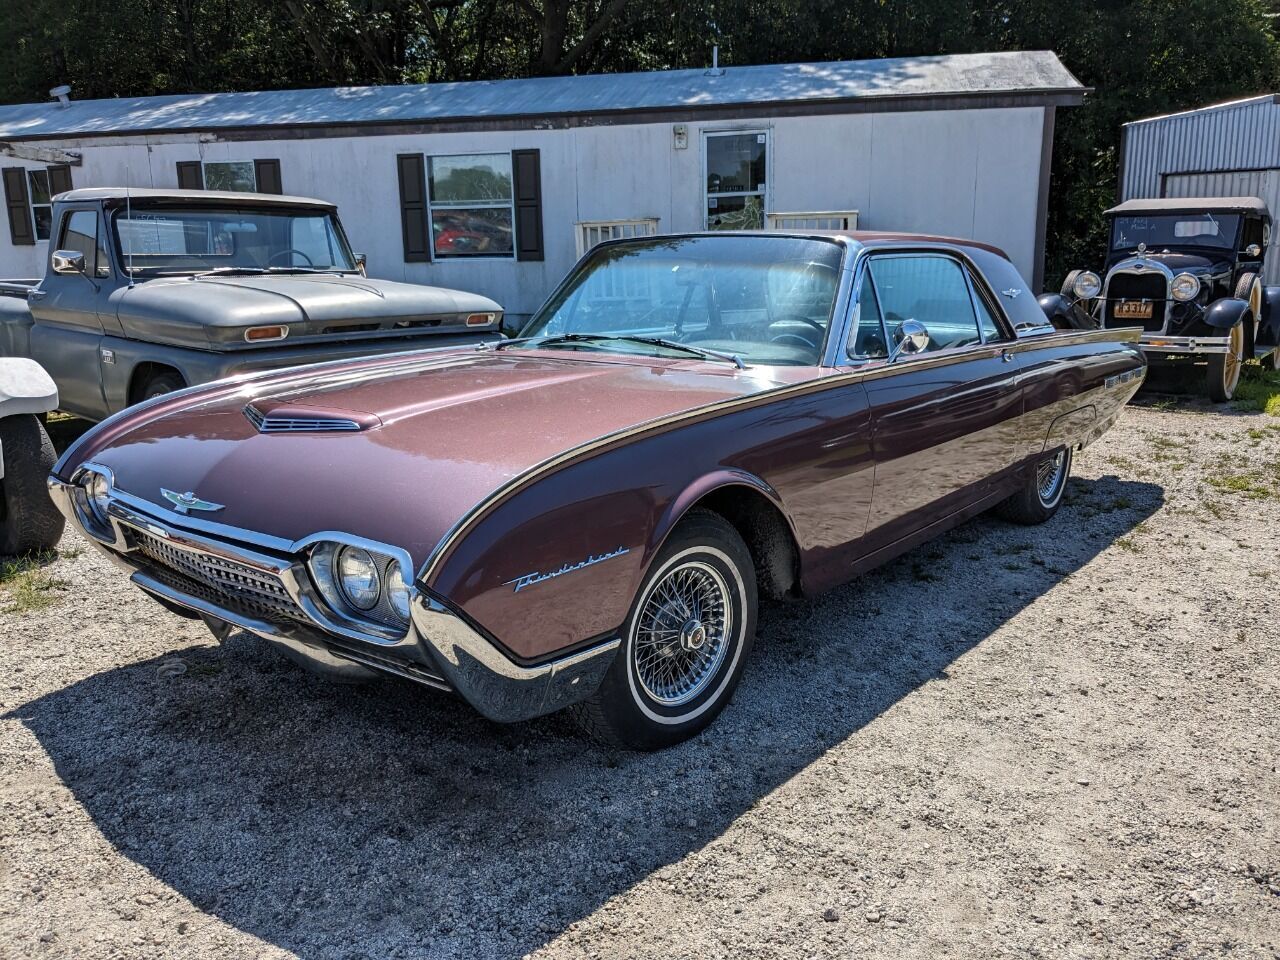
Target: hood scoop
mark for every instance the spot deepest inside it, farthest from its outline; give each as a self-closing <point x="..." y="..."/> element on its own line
<point x="269" y="417"/>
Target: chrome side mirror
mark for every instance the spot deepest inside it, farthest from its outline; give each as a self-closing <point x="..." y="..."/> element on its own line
<point x="1253" y="250"/>
<point x="67" y="261"/>
<point x="362" y="261"/>
<point x="912" y="337"/>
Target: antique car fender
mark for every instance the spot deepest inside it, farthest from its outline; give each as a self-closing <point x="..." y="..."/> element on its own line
<point x="1065" y="313"/>
<point x="1268" y="325"/>
<point x="1225" y="314"/>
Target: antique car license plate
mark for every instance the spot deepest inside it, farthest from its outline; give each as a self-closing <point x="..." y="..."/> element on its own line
<point x="1134" y="309"/>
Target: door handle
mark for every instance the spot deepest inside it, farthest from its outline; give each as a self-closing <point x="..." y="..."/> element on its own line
<point x="34" y="294"/>
<point x="1006" y="356"/>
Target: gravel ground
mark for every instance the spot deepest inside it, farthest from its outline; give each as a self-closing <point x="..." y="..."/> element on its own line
<point x="1055" y="741"/>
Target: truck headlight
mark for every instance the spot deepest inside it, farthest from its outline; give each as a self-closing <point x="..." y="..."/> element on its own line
<point x="1087" y="286"/>
<point x="358" y="577"/>
<point x="1184" y="287"/>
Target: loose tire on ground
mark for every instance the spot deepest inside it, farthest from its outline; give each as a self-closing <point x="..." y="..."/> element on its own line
<point x="1041" y="496"/>
<point x="28" y="519"/>
<point x="1222" y="375"/>
<point x="685" y="643"/>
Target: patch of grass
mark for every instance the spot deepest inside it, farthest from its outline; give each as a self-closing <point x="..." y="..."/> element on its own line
<point x="1258" y="391"/>
<point x="25" y="586"/>
<point x="1130" y="544"/>
<point x="1013" y="566"/>
<point x="1247" y="484"/>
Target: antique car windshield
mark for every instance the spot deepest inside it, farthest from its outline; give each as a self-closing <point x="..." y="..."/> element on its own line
<point x="1216" y="230"/>
<point x="765" y="299"/>
<point x="175" y="241"/>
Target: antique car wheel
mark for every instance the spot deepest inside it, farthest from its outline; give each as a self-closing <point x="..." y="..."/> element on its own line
<point x="685" y="643"/>
<point x="28" y="519"/>
<point x="1224" y="368"/>
<point x="1069" y="284"/>
<point x="1040" y="498"/>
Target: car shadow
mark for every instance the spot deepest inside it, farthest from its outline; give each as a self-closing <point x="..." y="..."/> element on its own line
<point x="319" y="817"/>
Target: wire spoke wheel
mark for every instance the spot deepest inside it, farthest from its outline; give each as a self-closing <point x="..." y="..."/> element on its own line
<point x="1051" y="474"/>
<point x="1234" y="360"/>
<point x="682" y="633"/>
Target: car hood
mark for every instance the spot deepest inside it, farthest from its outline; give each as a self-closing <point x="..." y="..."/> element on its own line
<point x="210" y="311"/>
<point x="1197" y="264"/>
<point x="437" y="432"/>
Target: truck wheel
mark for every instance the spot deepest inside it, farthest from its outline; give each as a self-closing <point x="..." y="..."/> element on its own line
<point x="159" y="384"/>
<point x="1041" y="496"/>
<point x="1224" y="368"/>
<point x="685" y="644"/>
<point x="28" y="519"/>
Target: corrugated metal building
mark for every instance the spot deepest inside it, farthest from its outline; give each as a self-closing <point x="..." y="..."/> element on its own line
<point x="1224" y="150"/>
<point x="497" y="186"/>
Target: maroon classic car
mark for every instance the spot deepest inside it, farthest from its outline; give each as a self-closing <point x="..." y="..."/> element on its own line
<point x="587" y="514"/>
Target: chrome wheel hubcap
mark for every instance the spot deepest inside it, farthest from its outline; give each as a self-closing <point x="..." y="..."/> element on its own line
<point x="682" y="633"/>
<point x="1050" y="475"/>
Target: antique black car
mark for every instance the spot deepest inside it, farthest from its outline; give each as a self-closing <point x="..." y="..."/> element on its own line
<point x="1189" y="273"/>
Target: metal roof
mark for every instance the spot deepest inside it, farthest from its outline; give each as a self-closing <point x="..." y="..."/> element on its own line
<point x="191" y="196"/>
<point x="1036" y="75"/>
<point x="1266" y="98"/>
<point x="1193" y="204"/>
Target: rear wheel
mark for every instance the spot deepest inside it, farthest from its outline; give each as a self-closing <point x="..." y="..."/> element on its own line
<point x="685" y="644"/>
<point x="28" y="519"/>
<point x="1223" y="374"/>
<point x="1041" y="496"/>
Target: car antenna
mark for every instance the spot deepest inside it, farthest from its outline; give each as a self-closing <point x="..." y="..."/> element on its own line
<point x="128" y="215"/>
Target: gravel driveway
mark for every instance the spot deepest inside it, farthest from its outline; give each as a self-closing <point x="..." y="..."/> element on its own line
<point x="1056" y="741"/>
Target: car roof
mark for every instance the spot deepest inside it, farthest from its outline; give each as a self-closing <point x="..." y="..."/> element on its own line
<point x="1255" y="205"/>
<point x="189" y="196"/>
<point x="864" y="238"/>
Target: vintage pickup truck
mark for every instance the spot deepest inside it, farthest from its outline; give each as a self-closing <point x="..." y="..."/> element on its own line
<point x="149" y="291"/>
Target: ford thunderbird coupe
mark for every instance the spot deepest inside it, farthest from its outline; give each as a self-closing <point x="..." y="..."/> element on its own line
<point x="586" y="515"/>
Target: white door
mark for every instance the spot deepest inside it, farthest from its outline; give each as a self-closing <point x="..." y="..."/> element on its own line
<point x="1235" y="183"/>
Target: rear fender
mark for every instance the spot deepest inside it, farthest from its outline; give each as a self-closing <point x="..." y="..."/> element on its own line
<point x="1268" y="334"/>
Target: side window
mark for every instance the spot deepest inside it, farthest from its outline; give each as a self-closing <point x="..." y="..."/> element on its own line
<point x="986" y="322"/>
<point x="868" y="327"/>
<point x="80" y="232"/>
<point x="930" y="289"/>
<point x="1252" y="233"/>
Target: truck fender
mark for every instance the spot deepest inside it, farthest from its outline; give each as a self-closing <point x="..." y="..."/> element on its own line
<point x="1225" y="313"/>
<point x="25" y="388"/>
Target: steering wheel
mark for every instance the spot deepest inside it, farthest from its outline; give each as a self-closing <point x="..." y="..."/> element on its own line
<point x="283" y="253"/>
<point x="797" y="318"/>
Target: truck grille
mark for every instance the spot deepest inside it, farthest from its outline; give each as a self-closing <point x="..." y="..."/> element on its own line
<point x="1137" y="286"/>
<point x="224" y="582"/>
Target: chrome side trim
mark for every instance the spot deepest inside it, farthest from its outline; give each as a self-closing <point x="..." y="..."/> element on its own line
<point x="833" y="380"/>
<point x="502" y="690"/>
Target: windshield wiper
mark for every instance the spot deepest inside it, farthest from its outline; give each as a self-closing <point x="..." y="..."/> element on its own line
<point x="702" y="352"/>
<point x="230" y="272"/>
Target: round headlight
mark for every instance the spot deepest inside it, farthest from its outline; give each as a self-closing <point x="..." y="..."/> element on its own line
<point x="1087" y="286"/>
<point x="97" y="490"/>
<point x="1184" y="287"/>
<point x="358" y="577"/>
<point x="397" y="590"/>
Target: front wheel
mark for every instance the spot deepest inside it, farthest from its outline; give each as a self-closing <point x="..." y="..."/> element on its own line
<point x="1223" y="374"/>
<point x="685" y="643"/>
<point x="28" y="519"/>
<point x="1041" y="496"/>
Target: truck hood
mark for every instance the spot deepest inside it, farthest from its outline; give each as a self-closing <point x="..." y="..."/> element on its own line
<point x="437" y="431"/>
<point x="213" y="312"/>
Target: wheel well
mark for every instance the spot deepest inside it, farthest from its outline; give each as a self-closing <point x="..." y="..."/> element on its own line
<point x="766" y="533"/>
<point x="143" y="374"/>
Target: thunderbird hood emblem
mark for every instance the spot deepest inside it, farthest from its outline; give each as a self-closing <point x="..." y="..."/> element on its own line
<point x="186" y="502"/>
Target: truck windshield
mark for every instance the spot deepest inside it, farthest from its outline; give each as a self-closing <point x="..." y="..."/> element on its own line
<point x="1216" y="230"/>
<point x="175" y="241"/>
<point x="763" y="299"/>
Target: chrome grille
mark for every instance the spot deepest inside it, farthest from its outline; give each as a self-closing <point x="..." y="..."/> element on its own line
<point x="231" y="584"/>
<point x="1150" y="286"/>
<point x="268" y="424"/>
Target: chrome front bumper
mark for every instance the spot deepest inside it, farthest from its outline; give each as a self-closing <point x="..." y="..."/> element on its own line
<point x="439" y="648"/>
<point x="1158" y="343"/>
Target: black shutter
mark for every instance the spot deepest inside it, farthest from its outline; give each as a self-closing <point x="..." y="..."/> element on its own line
<point x="59" y="179"/>
<point x="527" y="170"/>
<point x="267" y="173"/>
<point x="17" y="201"/>
<point x="190" y="175"/>
<point x="414" y="228"/>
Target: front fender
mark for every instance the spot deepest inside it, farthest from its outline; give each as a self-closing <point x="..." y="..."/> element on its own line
<point x="1066" y="313"/>
<point x="1224" y="314"/>
<point x="701" y="487"/>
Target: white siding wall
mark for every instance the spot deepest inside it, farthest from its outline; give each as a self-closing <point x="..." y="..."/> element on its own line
<point x="967" y="173"/>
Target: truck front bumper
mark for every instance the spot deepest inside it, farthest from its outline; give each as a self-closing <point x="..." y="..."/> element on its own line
<point x="1162" y="345"/>
<point x="270" y="593"/>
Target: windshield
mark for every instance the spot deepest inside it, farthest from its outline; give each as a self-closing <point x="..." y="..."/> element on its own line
<point x="168" y="241"/>
<point x="764" y="299"/>
<point x="1217" y="230"/>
